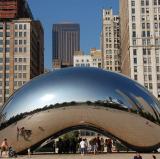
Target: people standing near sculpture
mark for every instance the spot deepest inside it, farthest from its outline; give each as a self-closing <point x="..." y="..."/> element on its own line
<point x="95" y="146"/>
<point x="109" y="145"/>
<point x="4" y="147"/>
<point x="86" y="145"/>
<point x="137" y="156"/>
<point x="29" y="153"/>
<point x="98" y="144"/>
<point x="82" y="147"/>
<point x="102" y="145"/>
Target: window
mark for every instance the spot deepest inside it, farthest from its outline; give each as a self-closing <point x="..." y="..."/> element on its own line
<point x="144" y="51"/>
<point x="8" y="26"/>
<point x="158" y="76"/>
<point x="7" y="42"/>
<point x="148" y="33"/>
<point x="20" y="26"/>
<point x="7" y="60"/>
<point x="142" y="2"/>
<point x="24" y="67"/>
<point x="150" y="77"/>
<point x="16" y="34"/>
<point x="19" y="83"/>
<point x="150" y="86"/>
<point x="133" y="18"/>
<point x="148" y="25"/>
<point x="7" y="67"/>
<point x="133" y="10"/>
<point x="20" y="42"/>
<point x="25" y="49"/>
<point x="147" y="10"/>
<point x="1" y="49"/>
<point x="1" y="42"/>
<point x="135" y="68"/>
<point x="19" y="75"/>
<point x="16" y="27"/>
<point x="1" y="68"/>
<point x="135" y="60"/>
<point x="20" y="49"/>
<point x="25" y="26"/>
<point x="134" y="52"/>
<point x="24" y="75"/>
<point x="135" y="77"/>
<point x="20" y="34"/>
<point x="15" y="49"/>
<point x="7" y="75"/>
<point x="133" y="26"/>
<point x="147" y="2"/>
<point x="16" y="42"/>
<point x="20" y="67"/>
<point x="1" y="26"/>
<point x="143" y="25"/>
<point x="145" y="60"/>
<point x="7" y="49"/>
<point x="25" y="34"/>
<point x="133" y="34"/>
<point x="133" y="3"/>
<point x="134" y="42"/>
<point x="142" y="10"/>
<point x="155" y="17"/>
<point x="25" y="42"/>
<point x="155" y="2"/>
<point x="20" y="59"/>
<point x="143" y="33"/>
<point x="1" y="34"/>
<point x="7" y="34"/>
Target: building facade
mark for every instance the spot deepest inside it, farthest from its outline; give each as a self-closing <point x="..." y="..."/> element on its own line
<point x="14" y="9"/>
<point x="111" y="41"/>
<point x="94" y="59"/>
<point x="66" y="40"/>
<point x="21" y="51"/>
<point x="140" y="42"/>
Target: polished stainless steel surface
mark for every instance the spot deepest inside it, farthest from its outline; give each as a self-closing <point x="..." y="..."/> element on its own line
<point x="89" y="93"/>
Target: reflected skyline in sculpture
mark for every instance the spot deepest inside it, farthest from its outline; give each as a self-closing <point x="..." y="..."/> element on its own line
<point x="92" y="89"/>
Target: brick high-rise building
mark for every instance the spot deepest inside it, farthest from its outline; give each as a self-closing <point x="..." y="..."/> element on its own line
<point x="14" y="9"/>
<point x="21" y="47"/>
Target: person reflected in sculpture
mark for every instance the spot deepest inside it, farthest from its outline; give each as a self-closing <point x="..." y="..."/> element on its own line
<point x="4" y="146"/>
<point x="82" y="147"/>
<point x="153" y="156"/>
<point x="137" y="156"/>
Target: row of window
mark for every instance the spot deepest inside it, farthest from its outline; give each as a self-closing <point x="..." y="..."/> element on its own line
<point x="20" y="42"/>
<point x="147" y="42"/>
<point x="20" y="75"/>
<point x="20" y="67"/>
<point x="17" y="26"/>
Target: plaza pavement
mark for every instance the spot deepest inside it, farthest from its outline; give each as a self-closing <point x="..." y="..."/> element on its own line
<point x="91" y="156"/>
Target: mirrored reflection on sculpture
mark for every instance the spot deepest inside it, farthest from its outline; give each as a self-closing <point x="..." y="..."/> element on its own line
<point x="85" y="97"/>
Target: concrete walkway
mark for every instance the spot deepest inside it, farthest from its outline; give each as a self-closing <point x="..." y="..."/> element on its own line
<point x="103" y="156"/>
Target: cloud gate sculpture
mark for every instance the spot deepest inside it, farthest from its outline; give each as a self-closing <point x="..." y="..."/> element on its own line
<point x="86" y="97"/>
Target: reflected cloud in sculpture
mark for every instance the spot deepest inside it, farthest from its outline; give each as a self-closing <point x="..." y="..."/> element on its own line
<point x="98" y="98"/>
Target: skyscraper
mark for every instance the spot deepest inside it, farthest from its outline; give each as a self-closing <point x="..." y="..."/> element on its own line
<point x="140" y="42"/>
<point x="111" y="41"/>
<point x="66" y="40"/>
<point x="21" y="47"/>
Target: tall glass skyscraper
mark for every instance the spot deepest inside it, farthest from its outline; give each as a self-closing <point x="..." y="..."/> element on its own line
<point x="66" y="40"/>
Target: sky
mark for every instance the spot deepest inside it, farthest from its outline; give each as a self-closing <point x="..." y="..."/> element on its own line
<point x="88" y="13"/>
